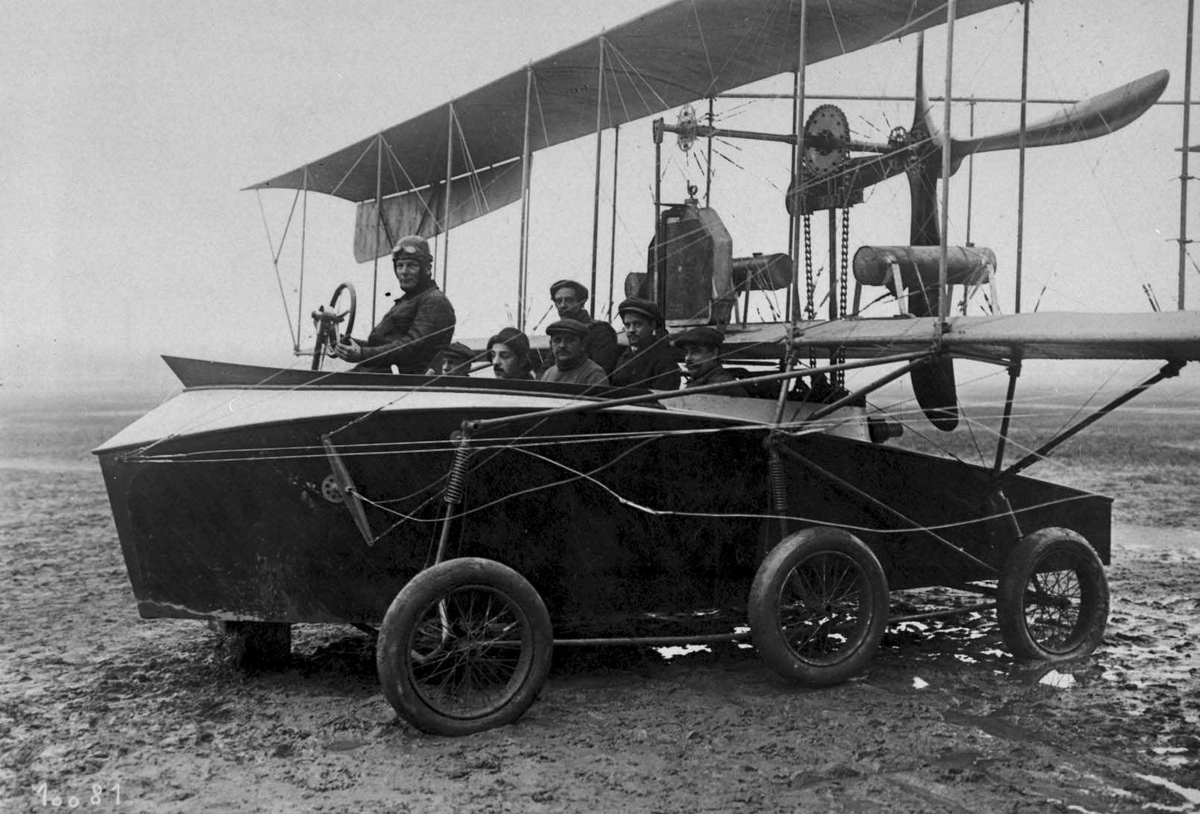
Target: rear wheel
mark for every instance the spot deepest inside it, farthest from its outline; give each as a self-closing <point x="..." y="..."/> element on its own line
<point x="818" y="606"/>
<point x="1052" y="601"/>
<point x="464" y="647"/>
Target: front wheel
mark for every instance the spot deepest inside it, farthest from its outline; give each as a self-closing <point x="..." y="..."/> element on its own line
<point x="818" y="606"/>
<point x="1052" y="599"/>
<point x="464" y="647"/>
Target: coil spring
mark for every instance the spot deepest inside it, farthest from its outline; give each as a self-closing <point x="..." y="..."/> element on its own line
<point x="458" y="474"/>
<point x="778" y="484"/>
<point x="1012" y="516"/>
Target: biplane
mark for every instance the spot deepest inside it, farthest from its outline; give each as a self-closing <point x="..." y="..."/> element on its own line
<point x="474" y="524"/>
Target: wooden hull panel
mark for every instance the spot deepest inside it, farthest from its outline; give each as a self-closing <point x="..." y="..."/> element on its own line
<point x="611" y="515"/>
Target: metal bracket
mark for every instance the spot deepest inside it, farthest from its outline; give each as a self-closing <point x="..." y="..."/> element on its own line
<point x="349" y="490"/>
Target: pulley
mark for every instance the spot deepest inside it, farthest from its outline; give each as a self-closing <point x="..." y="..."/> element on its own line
<point x="685" y="125"/>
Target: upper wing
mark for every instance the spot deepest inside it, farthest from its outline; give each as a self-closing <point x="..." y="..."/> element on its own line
<point x="1173" y="335"/>
<point x="684" y="51"/>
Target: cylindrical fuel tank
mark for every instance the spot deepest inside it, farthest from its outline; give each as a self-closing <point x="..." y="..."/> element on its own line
<point x="964" y="264"/>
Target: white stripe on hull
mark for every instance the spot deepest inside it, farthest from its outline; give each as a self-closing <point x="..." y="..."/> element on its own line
<point x="205" y="410"/>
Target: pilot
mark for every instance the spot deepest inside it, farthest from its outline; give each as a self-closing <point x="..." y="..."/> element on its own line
<point x="601" y="345"/>
<point x="701" y="348"/>
<point x="509" y="352"/>
<point x="416" y="328"/>
<point x="455" y="360"/>
<point x="568" y="338"/>
<point x="648" y="361"/>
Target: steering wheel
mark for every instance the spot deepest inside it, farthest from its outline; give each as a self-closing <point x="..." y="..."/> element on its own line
<point x="328" y="322"/>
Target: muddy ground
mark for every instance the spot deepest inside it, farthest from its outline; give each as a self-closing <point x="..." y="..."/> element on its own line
<point x="93" y="698"/>
<point x="96" y="703"/>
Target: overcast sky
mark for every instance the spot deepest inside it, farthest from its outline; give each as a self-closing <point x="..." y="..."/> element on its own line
<point x="128" y="129"/>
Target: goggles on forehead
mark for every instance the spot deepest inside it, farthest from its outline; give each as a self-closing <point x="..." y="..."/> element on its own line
<point x="411" y="251"/>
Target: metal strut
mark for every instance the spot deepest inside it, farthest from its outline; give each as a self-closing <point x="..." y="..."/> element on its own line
<point x="346" y="484"/>
<point x="1167" y="371"/>
<point x="999" y="499"/>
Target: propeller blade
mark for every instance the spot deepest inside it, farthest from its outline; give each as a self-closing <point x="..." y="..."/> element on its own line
<point x="1086" y="119"/>
<point x="923" y="173"/>
<point x="923" y="110"/>
<point x="933" y="385"/>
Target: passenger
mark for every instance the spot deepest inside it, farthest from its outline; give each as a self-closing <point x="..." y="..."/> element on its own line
<point x="571" y="364"/>
<point x="702" y="358"/>
<point x="601" y="345"/>
<point x="509" y="352"/>
<point x="455" y="360"/>
<point x="416" y="328"/>
<point x="648" y="362"/>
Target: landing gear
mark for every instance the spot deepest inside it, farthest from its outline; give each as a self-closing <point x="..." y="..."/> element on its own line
<point x="464" y="647"/>
<point x="818" y="606"/>
<point x="1052" y="600"/>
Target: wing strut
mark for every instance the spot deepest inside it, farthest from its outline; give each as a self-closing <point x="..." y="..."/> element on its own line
<point x="526" y="162"/>
<point x="1022" y="139"/>
<point x="1183" y="172"/>
<point x="1014" y="372"/>
<point x="1169" y="370"/>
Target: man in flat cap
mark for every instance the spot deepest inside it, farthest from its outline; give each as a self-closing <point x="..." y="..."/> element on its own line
<point x="509" y="351"/>
<point x="648" y="361"/>
<point x="571" y="364"/>
<point x="601" y="343"/>
<point x="416" y="328"/>
<point x="455" y="360"/>
<point x="702" y="357"/>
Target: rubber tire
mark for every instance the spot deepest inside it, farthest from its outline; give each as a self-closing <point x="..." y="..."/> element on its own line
<point x="399" y="664"/>
<point x="1015" y="613"/>
<point x="766" y="606"/>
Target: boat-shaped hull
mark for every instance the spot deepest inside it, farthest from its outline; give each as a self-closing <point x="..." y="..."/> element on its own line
<point x="228" y="506"/>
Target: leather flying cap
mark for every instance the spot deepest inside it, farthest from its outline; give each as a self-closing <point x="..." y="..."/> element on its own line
<point x="580" y="289"/>
<point x="646" y="308"/>
<point x="516" y="341"/>
<point x="413" y="247"/>
<point x="703" y="335"/>
<point x="568" y="326"/>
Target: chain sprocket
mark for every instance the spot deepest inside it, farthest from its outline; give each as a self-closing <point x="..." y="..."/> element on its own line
<point x="826" y="140"/>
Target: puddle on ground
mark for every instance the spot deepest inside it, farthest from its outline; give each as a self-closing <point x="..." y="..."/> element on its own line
<point x="1191" y="795"/>
<point x="673" y="651"/>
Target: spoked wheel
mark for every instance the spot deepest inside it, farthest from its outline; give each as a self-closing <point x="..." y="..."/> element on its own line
<point x="464" y="647"/>
<point x="1052" y="599"/>
<point x="334" y="322"/>
<point x="818" y="606"/>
